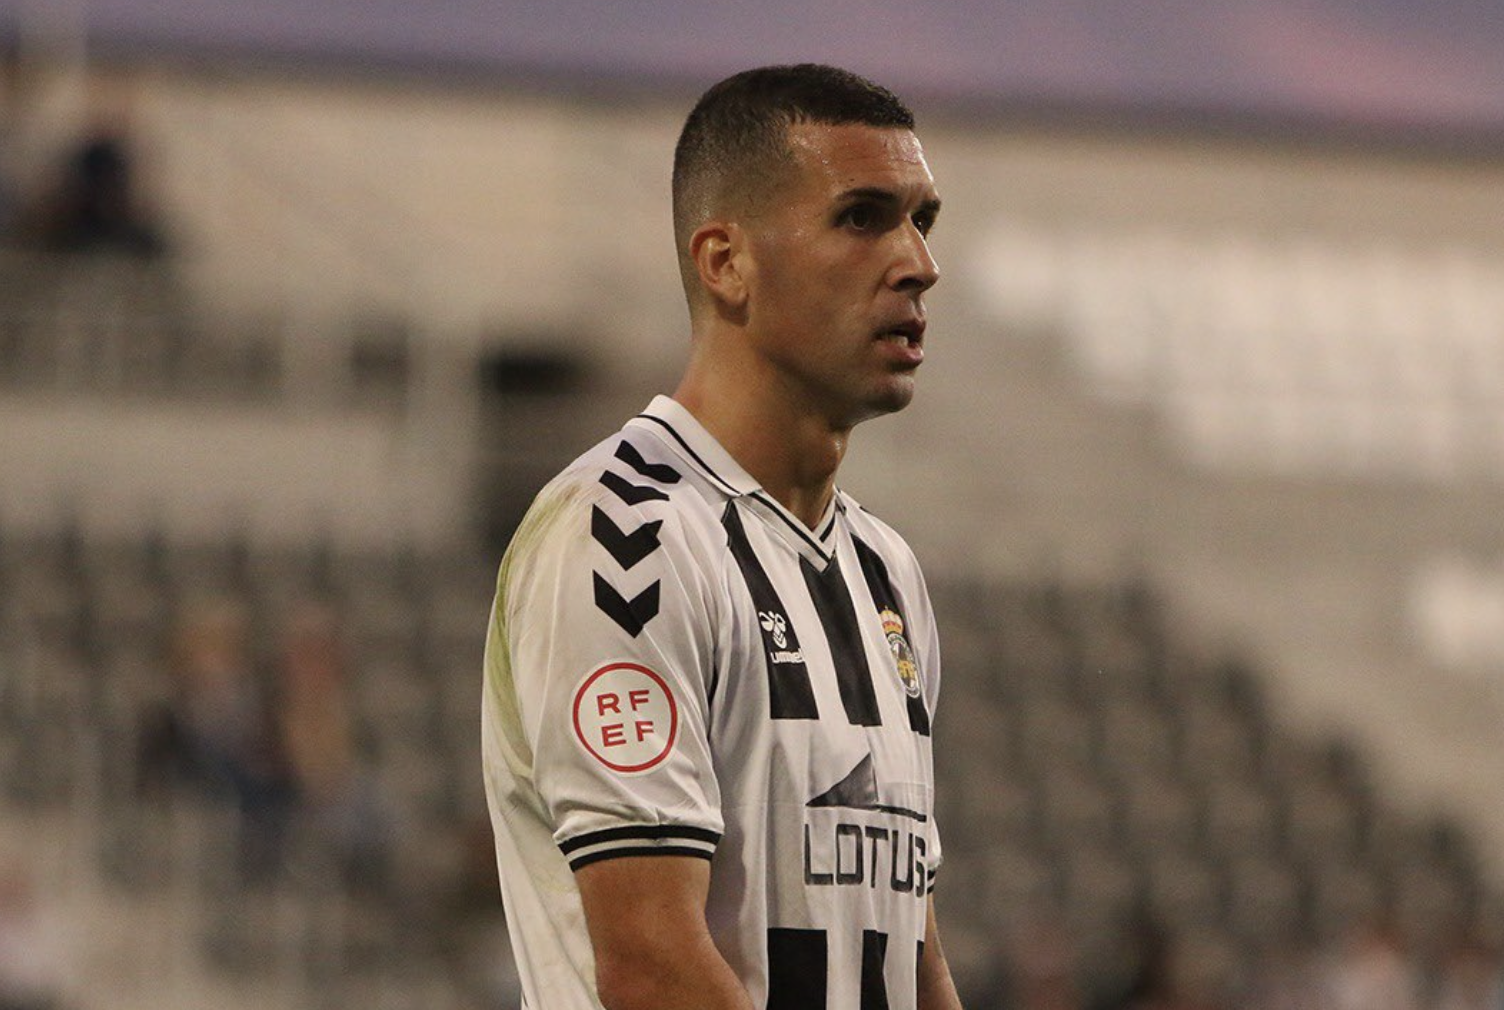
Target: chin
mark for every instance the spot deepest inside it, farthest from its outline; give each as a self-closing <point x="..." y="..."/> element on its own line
<point x="895" y="395"/>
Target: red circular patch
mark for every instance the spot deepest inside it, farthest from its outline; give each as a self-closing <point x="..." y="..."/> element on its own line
<point x="626" y="717"/>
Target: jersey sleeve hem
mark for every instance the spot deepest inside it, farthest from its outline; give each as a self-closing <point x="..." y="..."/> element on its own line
<point x="646" y="840"/>
<point x="582" y="861"/>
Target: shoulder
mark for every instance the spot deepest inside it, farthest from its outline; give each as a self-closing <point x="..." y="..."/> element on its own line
<point x="625" y="492"/>
<point x="880" y="537"/>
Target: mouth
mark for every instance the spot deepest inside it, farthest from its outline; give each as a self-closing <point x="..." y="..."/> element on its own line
<point x="909" y="333"/>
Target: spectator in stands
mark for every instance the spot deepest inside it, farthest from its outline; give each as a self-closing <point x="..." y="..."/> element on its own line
<point x="215" y="731"/>
<point x="314" y="721"/>
<point x="95" y="204"/>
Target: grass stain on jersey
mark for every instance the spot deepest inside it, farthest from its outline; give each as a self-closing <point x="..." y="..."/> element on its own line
<point x="557" y="500"/>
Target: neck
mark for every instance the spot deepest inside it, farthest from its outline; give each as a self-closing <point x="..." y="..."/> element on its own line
<point x="788" y="449"/>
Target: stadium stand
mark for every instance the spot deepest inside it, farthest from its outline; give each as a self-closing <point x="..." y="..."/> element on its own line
<point x="1104" y="775"/>
<point x="1122" y="801"/>
<point x="109" y="325"/>
<point x="1370" y="359"/>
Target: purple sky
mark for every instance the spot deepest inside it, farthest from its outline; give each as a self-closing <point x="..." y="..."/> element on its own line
<point x="1377" y="62"/>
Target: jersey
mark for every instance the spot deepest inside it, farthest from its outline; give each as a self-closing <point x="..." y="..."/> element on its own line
<point x="676" y="665"/>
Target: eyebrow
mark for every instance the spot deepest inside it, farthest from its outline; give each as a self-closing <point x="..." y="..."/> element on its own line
<point x="886" y="196"/>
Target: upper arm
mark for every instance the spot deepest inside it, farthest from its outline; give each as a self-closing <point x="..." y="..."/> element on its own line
<point x="646" y="918"/>
<point x="609" y="636"/>
<point x="633" y="904"/>
<point x="604" y="637"/>
<point x="937" y="990"/>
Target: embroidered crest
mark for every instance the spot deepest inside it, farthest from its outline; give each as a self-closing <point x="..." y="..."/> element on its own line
<point x="903" y="654"/>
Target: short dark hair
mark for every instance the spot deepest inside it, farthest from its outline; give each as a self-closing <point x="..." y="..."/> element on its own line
<point x="735" y="138"/>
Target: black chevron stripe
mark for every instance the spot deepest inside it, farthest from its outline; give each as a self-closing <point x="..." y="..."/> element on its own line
<point x="632" y="494"/>
<point x="633" y="615"/>
<point x="626" y="548"/>
<point x="661" y="472"/>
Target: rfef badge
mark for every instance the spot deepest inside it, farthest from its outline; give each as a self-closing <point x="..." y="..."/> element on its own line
<point x="626" y="717"/>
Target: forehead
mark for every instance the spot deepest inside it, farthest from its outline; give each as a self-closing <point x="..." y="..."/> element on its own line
<point x="833" y="159"/>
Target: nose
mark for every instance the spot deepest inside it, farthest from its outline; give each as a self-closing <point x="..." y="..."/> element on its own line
<point x="914" y="269"/>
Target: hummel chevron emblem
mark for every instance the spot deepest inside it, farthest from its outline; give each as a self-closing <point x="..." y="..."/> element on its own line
<point x="633" y="615"/>
<point x="626" y="548"/>
<point x="632" y="494"/>
<point x="661" y="472"/>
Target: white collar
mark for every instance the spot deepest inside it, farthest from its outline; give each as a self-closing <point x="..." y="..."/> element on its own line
<point x="682" y="432"/>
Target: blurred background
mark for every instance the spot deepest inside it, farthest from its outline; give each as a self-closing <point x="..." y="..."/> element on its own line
<point x="301" y="303"/>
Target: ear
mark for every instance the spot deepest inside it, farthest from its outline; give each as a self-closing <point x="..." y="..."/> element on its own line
<point x="719" y="251"/>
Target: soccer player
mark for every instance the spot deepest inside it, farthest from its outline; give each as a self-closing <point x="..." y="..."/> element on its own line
<point x="710" y="674"/>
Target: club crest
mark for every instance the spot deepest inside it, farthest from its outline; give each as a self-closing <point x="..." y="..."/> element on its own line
<point x="903" y="653"/>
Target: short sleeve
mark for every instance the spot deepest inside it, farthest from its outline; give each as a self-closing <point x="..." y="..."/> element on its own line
<point x="608" y="619"/>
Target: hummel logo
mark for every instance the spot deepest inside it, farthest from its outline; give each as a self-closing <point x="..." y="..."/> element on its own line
<point x="777" y="625"/>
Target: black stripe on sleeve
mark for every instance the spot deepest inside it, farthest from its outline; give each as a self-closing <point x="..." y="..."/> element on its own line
<point x="843" y="633"/>
<point x="644" y="832"/>
<point x="790" y="693"/>
<point x="797" y="961"/>
<point x="638" y="850"/>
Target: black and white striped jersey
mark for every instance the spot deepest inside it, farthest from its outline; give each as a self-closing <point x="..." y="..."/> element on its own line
<point x="675" y="664"/>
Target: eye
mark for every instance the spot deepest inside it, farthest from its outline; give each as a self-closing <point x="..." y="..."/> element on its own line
<point x="860" y="216"/>
<point x="924" y="221"/>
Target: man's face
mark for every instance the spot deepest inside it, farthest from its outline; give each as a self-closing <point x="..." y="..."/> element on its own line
<point x="839" y="266"/>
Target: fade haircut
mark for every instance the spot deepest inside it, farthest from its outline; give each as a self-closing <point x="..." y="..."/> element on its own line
<point x="734" y="145"/>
